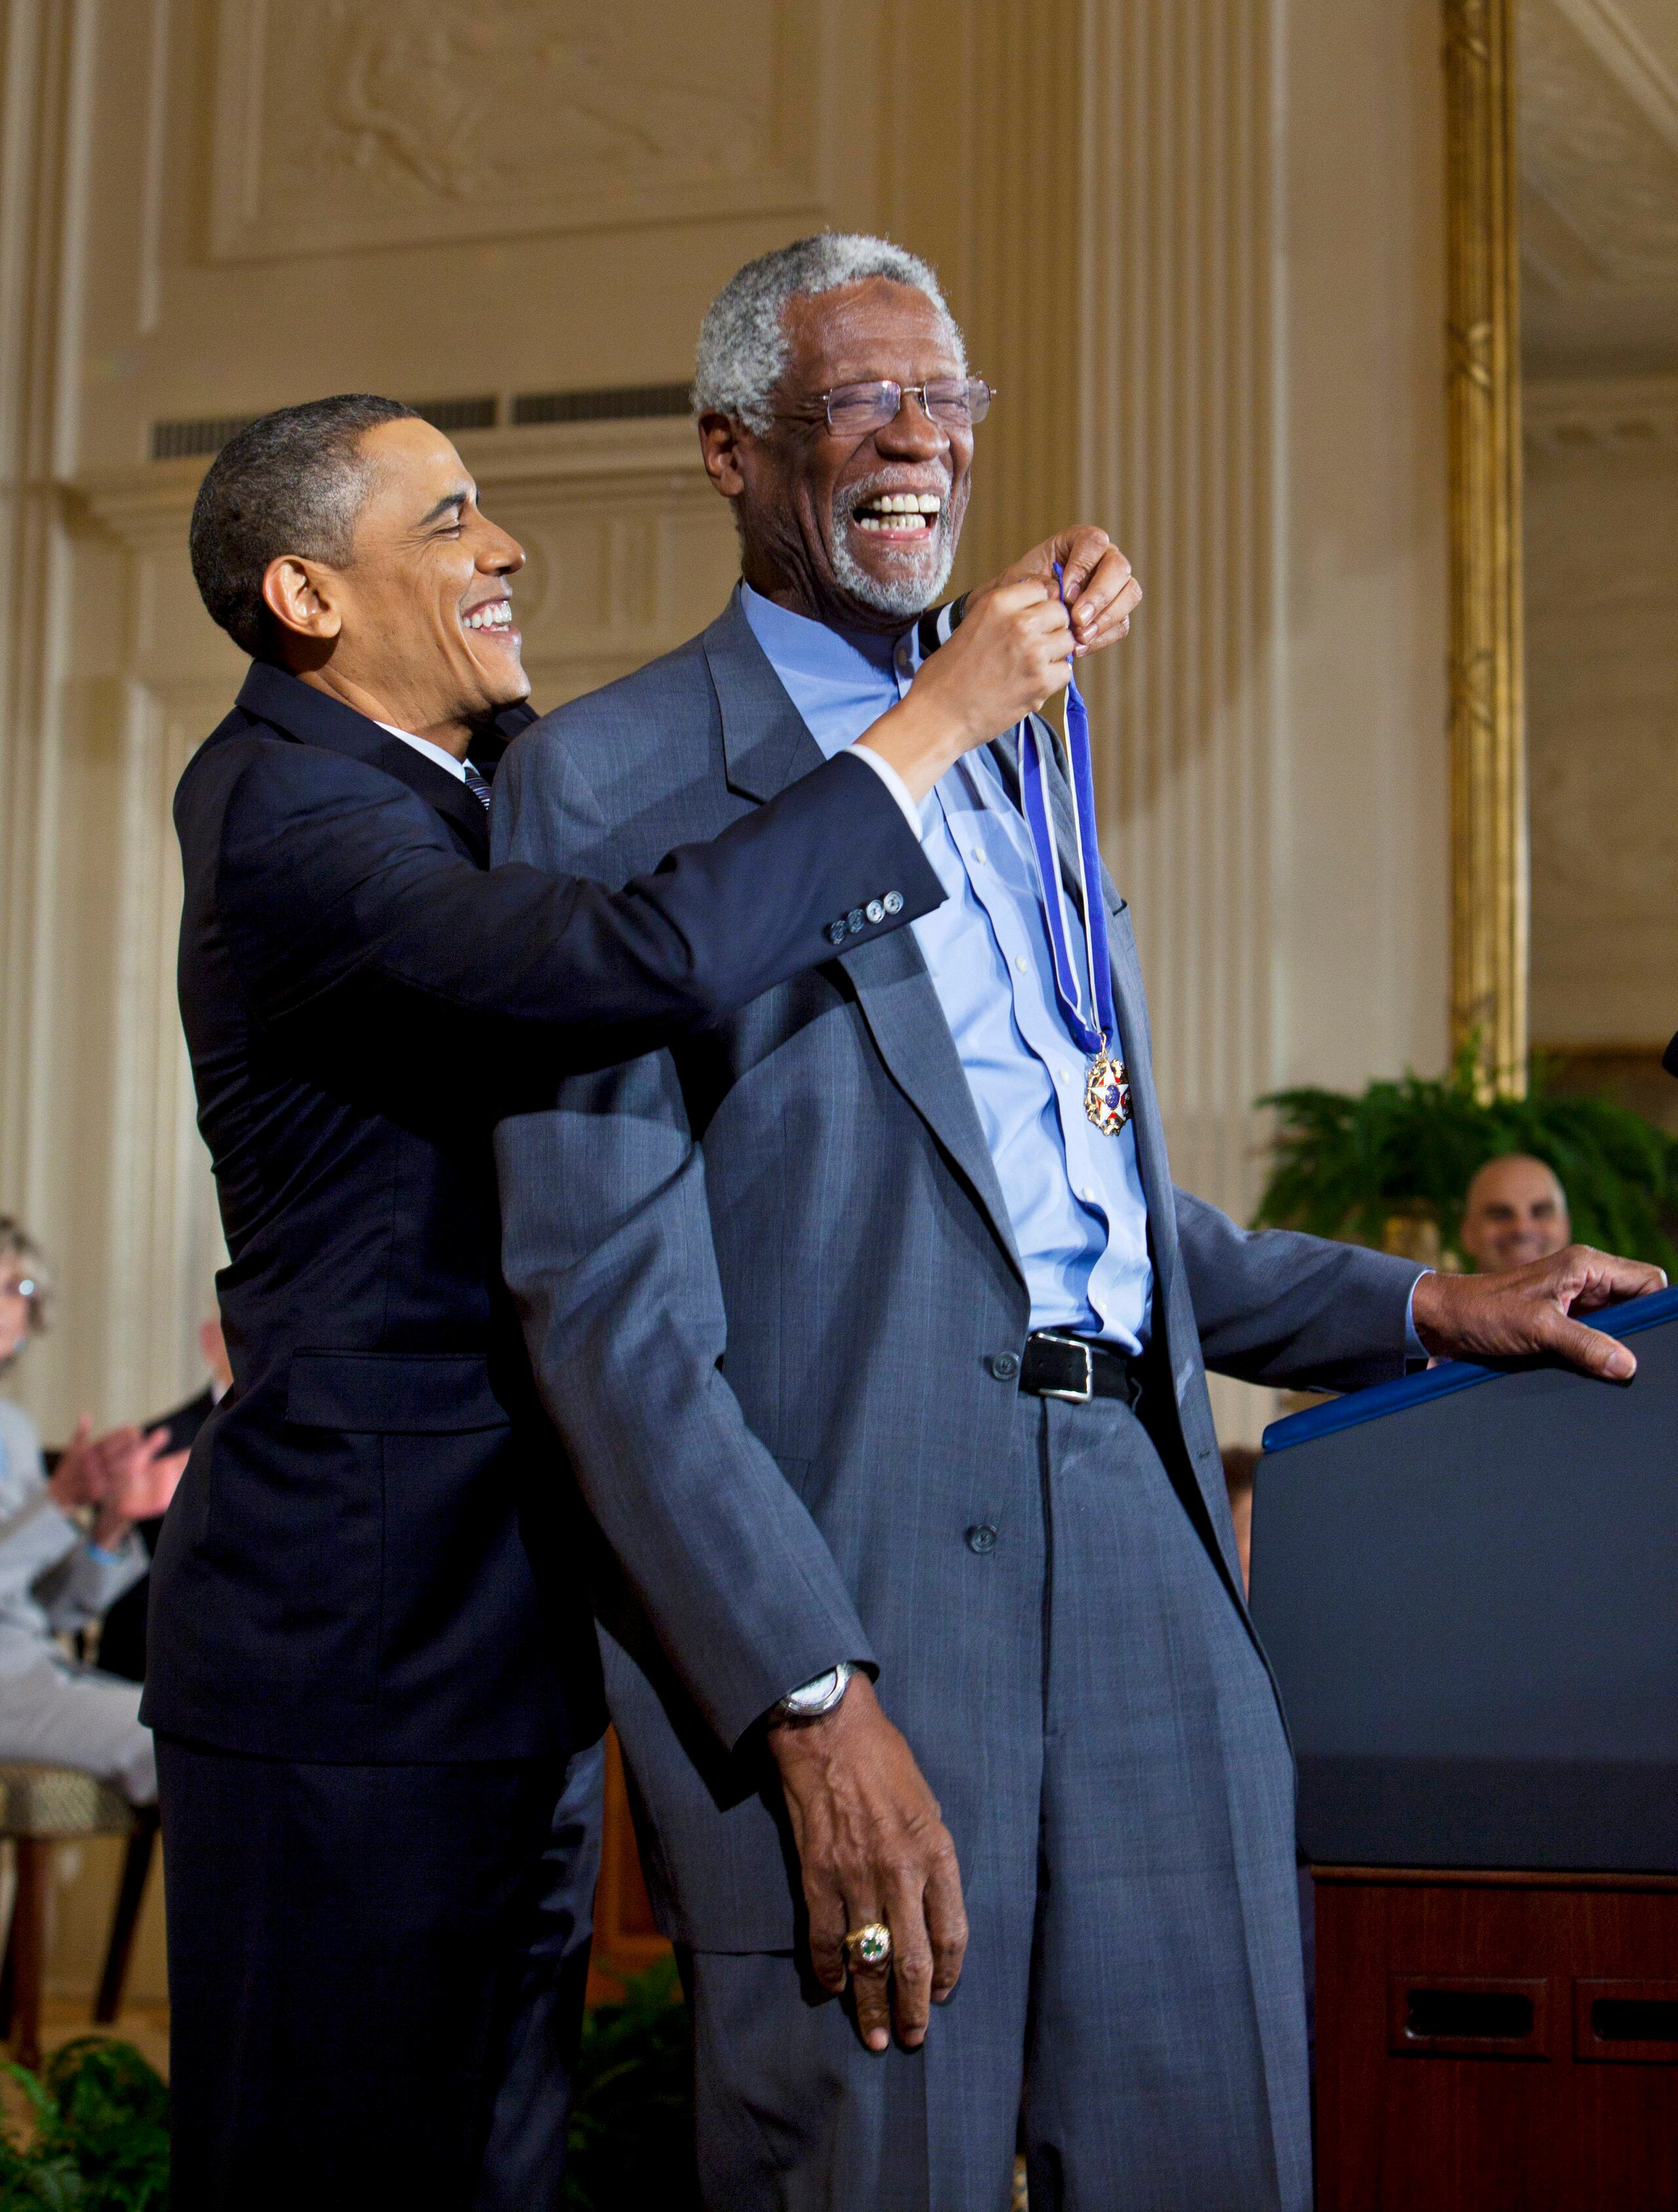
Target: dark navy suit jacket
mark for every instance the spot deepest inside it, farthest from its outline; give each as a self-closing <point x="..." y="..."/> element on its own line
<point x="369" y="1558"/>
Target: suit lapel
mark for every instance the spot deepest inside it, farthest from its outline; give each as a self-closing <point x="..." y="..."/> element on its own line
<point x="444" y="793"/>
<point x="271" y="695"/>
<point x="766" y="746"/>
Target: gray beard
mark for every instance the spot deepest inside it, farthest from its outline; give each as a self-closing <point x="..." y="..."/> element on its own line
<point x="914" y="593"/>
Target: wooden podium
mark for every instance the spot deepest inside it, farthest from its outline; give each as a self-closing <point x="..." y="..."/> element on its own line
<point x="1467" y="1583"/>
<point x="1496" y="2042"/>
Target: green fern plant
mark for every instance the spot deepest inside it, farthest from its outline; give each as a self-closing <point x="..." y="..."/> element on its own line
<point x="95" y="2137"/>
<point x="1346" y="1163"/>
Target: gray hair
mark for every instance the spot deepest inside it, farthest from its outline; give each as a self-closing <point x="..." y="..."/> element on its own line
<point x="742" y="346"/>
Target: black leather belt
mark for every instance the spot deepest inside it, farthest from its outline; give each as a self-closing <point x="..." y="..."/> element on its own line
<point x="1076" y="1368"/>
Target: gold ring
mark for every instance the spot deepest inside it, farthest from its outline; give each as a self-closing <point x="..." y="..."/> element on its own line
<point x="870" y="1946"/>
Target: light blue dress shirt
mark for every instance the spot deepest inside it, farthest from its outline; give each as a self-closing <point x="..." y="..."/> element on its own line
<point x="1074" y="1196"/>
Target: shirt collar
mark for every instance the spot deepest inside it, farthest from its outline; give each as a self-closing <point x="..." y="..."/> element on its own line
<point x="431" y="752"/>
<point x="805" y="647"/>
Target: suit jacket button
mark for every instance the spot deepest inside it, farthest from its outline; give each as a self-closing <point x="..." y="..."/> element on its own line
<point x="875" y="910"/>
<point x="981" y="1539"/>
<point x="1004" y="1366"/>
<point x="836" y="932"/>
<point x="893" y="902"/>
<point x="855" y="920"/>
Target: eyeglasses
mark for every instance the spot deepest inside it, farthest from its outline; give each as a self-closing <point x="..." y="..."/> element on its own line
<point x="956" y="402"/>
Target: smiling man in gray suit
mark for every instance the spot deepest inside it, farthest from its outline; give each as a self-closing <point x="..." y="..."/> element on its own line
<point x="878" y="1361"/>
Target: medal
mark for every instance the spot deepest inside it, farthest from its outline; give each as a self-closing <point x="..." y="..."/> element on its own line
<point x="1106" y="1087"/>
<point x="1107" y="1094"/>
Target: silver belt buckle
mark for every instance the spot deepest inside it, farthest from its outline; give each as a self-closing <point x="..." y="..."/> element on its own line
<point x="1072" y="1397"/>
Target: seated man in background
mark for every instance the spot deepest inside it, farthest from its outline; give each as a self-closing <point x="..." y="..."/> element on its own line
<point x="55" y="1576"/>
<point x="1515" y="1211"/>
<point x="122" y="1636"/>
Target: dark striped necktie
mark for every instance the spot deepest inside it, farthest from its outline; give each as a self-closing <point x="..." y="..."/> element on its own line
<point x="476" y="784"/>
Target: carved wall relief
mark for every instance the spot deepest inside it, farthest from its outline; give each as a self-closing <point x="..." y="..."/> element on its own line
<point x="1600" y="146"/>
<point x="392" y="122"/>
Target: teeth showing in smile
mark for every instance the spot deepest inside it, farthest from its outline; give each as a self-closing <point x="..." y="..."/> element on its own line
<point x="498" y="615"/>
<point x="900" y="510"/>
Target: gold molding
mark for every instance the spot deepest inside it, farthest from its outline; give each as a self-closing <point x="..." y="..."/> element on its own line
<point x="1489" y="888"/>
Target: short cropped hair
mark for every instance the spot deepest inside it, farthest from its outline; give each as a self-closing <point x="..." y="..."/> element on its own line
<point x="742" y="346"/>
<point x="16" y="1244"/>
<point x="292" y="481"/>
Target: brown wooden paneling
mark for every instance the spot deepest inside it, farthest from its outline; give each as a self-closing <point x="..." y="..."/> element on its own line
<point x="626" y="1940"/>
<point x="1469" y="2121"/>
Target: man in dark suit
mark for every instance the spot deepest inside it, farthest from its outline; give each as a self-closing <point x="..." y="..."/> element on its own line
<point x="877" y="1335"/>
<point x="373" y="1693"/>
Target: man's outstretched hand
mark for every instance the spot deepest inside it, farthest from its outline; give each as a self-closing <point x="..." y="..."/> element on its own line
<point x="1531" y="1310"/>
<point x="873" y="1846"/>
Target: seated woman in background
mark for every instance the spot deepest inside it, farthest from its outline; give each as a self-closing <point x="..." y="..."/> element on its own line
<point x="57" y="1575"/>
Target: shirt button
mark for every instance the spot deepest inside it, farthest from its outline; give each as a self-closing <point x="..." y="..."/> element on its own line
<point x="978" y="855"/>
<point x="1021" y="962"/>
<point x="875" y="910"/>
<point x="982" y="1538"/>
<point x="1066" y="1075"/>
<point x="893" y="902"/>
<point x="1004" y="1366"/>
<point x="1089" y="1193"/>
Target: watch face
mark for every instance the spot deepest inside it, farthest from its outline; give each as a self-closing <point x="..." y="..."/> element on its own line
<point x="810" y="1699"/>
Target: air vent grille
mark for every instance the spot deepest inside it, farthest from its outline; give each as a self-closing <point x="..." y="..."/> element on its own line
<point x="174" y="441"/>
<point x="620" y="403"/>
<point x="479" y="413"/>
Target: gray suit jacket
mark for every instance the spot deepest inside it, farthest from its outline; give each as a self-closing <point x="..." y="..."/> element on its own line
<point x="763" y="1277"/>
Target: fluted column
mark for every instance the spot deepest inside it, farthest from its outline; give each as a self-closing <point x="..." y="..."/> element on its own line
<point x="42" y="52"/>
<point x="1174" y="434"/>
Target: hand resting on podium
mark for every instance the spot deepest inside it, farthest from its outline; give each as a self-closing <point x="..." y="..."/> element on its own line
<point x="1531" y="1310"/>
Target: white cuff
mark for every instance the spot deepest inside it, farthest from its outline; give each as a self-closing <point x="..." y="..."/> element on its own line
<point x="1414" y="1348"/>
<point x="893" y="782"/>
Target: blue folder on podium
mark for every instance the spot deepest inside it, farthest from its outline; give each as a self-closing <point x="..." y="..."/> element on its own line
<point x="1467" y="1585"/>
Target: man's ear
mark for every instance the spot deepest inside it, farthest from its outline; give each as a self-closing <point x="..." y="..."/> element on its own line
<point x="303" y="598"/>
<point x="719" y="437"/>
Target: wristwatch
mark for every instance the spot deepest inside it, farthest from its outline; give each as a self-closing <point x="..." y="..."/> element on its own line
<point x="814" y="1700"/>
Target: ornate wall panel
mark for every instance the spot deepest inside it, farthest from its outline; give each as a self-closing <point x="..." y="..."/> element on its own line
<point x="356" y="123"/>
<point x="1599" y="143"/>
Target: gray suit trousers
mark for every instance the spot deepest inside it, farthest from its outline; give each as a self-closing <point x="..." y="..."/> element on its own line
<point x="1136" y="1994"/>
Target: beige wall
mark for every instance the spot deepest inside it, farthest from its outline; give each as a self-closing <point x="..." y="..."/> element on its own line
<point x="1602" y="657"/>
<point x="1196" y="244"/>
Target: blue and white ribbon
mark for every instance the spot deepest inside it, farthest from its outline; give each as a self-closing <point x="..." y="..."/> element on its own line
<point x="1091" y="1021"/>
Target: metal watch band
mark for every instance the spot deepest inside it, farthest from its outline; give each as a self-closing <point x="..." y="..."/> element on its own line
<point x="814" y="1700"/>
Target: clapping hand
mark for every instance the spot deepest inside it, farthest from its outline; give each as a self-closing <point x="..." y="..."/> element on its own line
<point x="147" y="1474"/>
<point x="125" y="1476"/>
<point x="90" y="1467"/>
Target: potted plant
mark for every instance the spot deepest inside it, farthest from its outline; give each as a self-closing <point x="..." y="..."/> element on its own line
<point x="1391" y="1165"/>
